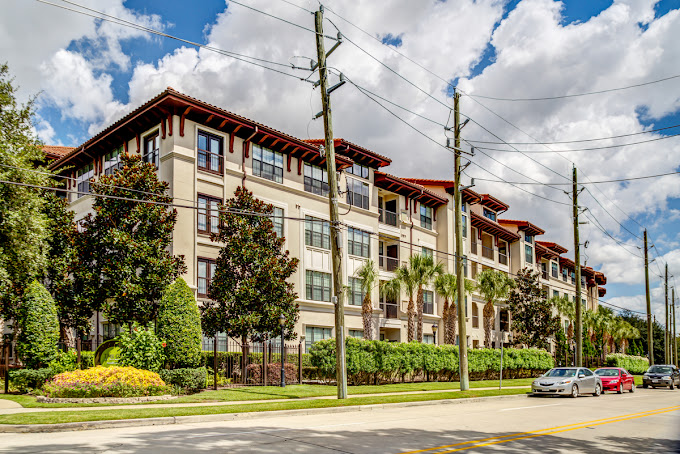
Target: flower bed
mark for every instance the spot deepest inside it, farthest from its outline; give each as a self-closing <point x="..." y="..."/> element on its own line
<point x="106" y="382"/>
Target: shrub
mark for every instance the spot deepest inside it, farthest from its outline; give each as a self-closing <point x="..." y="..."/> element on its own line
<point x="86" y="360"/>
<point x="633" y="364"/>
<point x="273" y="373"/>
<point x="140" y="348"/>
<point x="188" y="379"/>
<point x="106" y="382"/>
<point x="179" y="322"/>
<point x="37" y="341"/>
<point x="64" y="361"/>
<point x="27" y="380"/>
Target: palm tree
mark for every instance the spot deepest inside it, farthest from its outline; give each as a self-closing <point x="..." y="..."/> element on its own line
<point x="404" y="279"/>
<point x="368" y="275"/>
<point x="566" y="309"/>
<point x="622" y="331"/>
<point x="601" y="322"/>
<point x="424" y="270"/>
<point x="446" y="285"/>
<point x="493" y="286"/>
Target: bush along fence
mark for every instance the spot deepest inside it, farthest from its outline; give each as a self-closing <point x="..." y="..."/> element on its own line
<point x="633" y="364"/>
<point x="370" y="361"/>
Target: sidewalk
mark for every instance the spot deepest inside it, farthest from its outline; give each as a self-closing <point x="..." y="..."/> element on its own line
<point x="15" y="408"/>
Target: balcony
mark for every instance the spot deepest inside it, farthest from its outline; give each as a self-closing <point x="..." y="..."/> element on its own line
<point x="544" y="275"/>
<point x="391" y="310"/>
<point x="502" y="259"/>
<point x="473" y="247"/>
<point x="487" y="252"/>
<point x="387" y="217"/>
<point x="388" y="263"/>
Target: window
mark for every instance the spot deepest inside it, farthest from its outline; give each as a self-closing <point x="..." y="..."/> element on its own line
<point x="152" y="147"/>
<point x="318" y="286"/>
<point x="462" y="207"/>
<point x="464" y="226"/>
<point x="210" y="152"/>
<point x="316" y="180"/>
<point x="206" y="272"/>
<point x="208" y="214"/>
<point x="317" y="233"/>
<point x="566" y="326"/>
<point x="315" y="334"/>
<point x="554" y="269"/>
<point x="357" y="193"/>
<point x="110" y="330"/>
<point x="112" y="161"/>
<point x="358" y="333"/>
<point x="359" y="242"/>
<point x="573" y="277"/>
<point x="529" y="253"/>
<point x="564" y="274"/>
<point x="428" y="302"/>
<point x="556" y="294"/>
<point x="475" y="315"/>
<point x="359" y="170"/>
<point x="356" y="295"/>
<point x="83" y="179"/>
<point x="505" y="320"/>
<point x="267" y="164"/>
<point x="489" y="214"/>
<point x="277" y="220"/>
<point x="428" y="339"/>
<point x="583" y="281"/>
<point x="528" y="238"/>
<point x="426" y="217"/>
<point x="427" y="252"/>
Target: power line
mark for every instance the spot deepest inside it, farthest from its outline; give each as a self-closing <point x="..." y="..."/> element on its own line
<point x="546" y="98"/>
<point x="618" y="180"/>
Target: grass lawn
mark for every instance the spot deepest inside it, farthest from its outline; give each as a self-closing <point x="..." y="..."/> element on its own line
<point x="289" y="392"/>
<point x="132" y="413"/>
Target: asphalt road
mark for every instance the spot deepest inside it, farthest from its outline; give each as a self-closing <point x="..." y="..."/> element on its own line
<point x="646" y="421"/>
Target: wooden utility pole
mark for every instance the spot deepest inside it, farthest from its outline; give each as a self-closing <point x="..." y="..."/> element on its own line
<point x="666" y="330"/>
<point x="650" y="339"/>
<point x="675" y="333"/>
<point x="460" y="278"/>
<point x="578" y="321"/>
<point x="336" y="233"/>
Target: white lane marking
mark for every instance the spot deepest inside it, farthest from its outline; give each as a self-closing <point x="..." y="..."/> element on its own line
<point x="533" y="406"/>
<point x="633" y="397"/>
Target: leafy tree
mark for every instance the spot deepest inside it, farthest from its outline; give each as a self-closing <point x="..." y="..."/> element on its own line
<point x="640" y="324"/>
<point x="140" y="348"/>
<point x="425" y="270"/>
<point x="179" y="323"/>
<point x="126" y="265"/>
<point x="405" y="279"/>
<point x="38" y="327"/>
<point x="249" y="290"/>
<point x="601" y="323"/>
<point x="494" y="286"/>
<point x="533" y="321"/>
<point x="446" y="285"/>
<point x="368" y="275"/>
<point x="23" y="224"/>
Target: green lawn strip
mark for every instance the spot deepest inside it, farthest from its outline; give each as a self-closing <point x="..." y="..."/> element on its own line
<point x="132" y="413"/>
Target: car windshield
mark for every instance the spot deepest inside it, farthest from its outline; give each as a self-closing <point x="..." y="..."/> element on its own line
<point x="561" y="373"/>
<point x="607" y="372"/>
<point x="659" y="370"/>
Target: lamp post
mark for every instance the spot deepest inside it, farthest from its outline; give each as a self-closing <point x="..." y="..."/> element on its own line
<point x="282" y="322"/>
<point x="500" y="383"/>
<point x="434" y="332"/>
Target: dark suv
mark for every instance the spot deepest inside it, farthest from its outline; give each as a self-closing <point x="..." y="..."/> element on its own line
<point x="661" y="375"/>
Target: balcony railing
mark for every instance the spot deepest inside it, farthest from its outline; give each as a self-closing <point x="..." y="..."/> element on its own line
<point x="487" y="252"/>
<point x="210" y="162"/>
<point x="503" y="259"/>
<point x="473" y="247"/>
<point x="388" y="263"/>
<point x="544" y="275"/>
<point x="387" y="217"/>
<point x="391" y="310"/>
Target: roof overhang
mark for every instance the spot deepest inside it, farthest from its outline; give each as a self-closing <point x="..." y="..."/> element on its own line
<point x="542" y="251"/>
<point x="408" y="189"/>
<point x="493" y="203"/>
<point x="489" y="226"/>
<point x="553" y="246"/>
<point x="526" y="226"/>
<point x="355" y="152"/>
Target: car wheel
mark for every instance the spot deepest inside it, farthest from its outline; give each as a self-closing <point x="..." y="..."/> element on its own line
<point x="598" y="390"/>
<point x="632" y="388"/>
<point x="672" y="386"/>
<point x="619" y="390"/>
<point x="574" y="391"/>
<point x="645" y="386"/>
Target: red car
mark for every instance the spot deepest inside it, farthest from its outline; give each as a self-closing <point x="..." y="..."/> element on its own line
<point x="616" y="379"/>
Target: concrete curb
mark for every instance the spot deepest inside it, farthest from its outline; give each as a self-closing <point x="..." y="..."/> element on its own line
<point x="93" y="425"/>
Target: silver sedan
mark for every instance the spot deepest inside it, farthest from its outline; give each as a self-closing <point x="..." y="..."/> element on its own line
<point x="567" y="381"/>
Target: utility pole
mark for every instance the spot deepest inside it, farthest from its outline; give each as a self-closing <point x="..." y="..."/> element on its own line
<point x="578" y="322"/>
<point x="666" y="331"/>
<point x="336" y="234"/>
<point x="460" y="278"/>
<point x="650" y="339"/>
<point x="675" y="333"/>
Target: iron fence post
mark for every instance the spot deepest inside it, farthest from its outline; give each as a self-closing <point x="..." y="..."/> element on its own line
<point x="300" y="363"/>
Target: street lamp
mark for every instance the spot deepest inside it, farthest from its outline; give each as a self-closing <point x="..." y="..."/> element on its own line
<point x="434" y="332"/>
<point x="282" y="322"/>
<point x="500" y="383"/>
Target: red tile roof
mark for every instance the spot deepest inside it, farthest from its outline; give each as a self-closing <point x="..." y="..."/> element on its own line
<point x="553" y="246"/>
<point x="489" y="226"/>
<point x="56" y="151"/>
<point x="523" y="225"/>
<point x="468" y="194"/>
<point x="407" y="188"/>
<point x="495" y="204"/>
<point x="356" y="152"/>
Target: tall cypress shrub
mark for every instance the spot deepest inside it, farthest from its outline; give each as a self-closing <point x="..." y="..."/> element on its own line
<point x="179" y="324"/>
<point x="39" y="327"/>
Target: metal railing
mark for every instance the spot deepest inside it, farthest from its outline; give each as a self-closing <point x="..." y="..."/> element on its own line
<point x="502" y="258"/>
<point x="473" y="247"/>
<point x="391" y="310"/>
<point x="387" y="217"/>
<point x="388" y="263"/>
<point x="487" y="252"/>
<point x="211" y="162"/>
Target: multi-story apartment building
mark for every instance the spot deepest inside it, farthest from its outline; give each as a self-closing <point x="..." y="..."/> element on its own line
<point x="205" y="153"/>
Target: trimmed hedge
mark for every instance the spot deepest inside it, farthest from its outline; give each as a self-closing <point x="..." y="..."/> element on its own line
<point x="253" y="358"/>
<point x="377" y="361"/>
<point x="633" y="364"/>
<point x="39" y="334"/>
<point x="179" y="324"/>
<point x="189" y="379"/>
<point x="27" y="380"/>
<point x="273" y="373"/>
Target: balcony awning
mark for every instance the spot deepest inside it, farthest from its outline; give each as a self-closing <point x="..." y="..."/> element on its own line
<point x="408" y="189"/>
<point x="527" y="226"/>
<point x="553" y="246"/>
<point x="493" y="228"/>
<point x="542" y="251"/>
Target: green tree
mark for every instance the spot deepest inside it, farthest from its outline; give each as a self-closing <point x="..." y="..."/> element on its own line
<point x="140" y="348"/>
<point x="407" y="280"/>
<point x="446" y="285"/>
<point x="494" y="286"/>
<point x="125" y="258"/>
<point x="533" y="321"/>
<point x="368" y="275"/>
<point x="425" y="270"/>
<point x="179" y="323"/>
<point x="23" y="224"/>
<point x="249" y="290"/>
<point x="601" y="322"/>
<point x="38" y="327"/>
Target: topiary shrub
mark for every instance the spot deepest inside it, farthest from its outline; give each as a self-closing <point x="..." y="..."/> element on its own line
<point x="191" y="380"/>
<point x="633" y="364"/>
<point x="140" y="348"/>
<point x="273" y="373"/>
<point x="106" y="382"/>
<point x="39" y="327"/>
<point x="179" y="323"/>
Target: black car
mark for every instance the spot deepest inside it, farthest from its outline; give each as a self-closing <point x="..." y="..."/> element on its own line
<point x="661" y="375"/>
